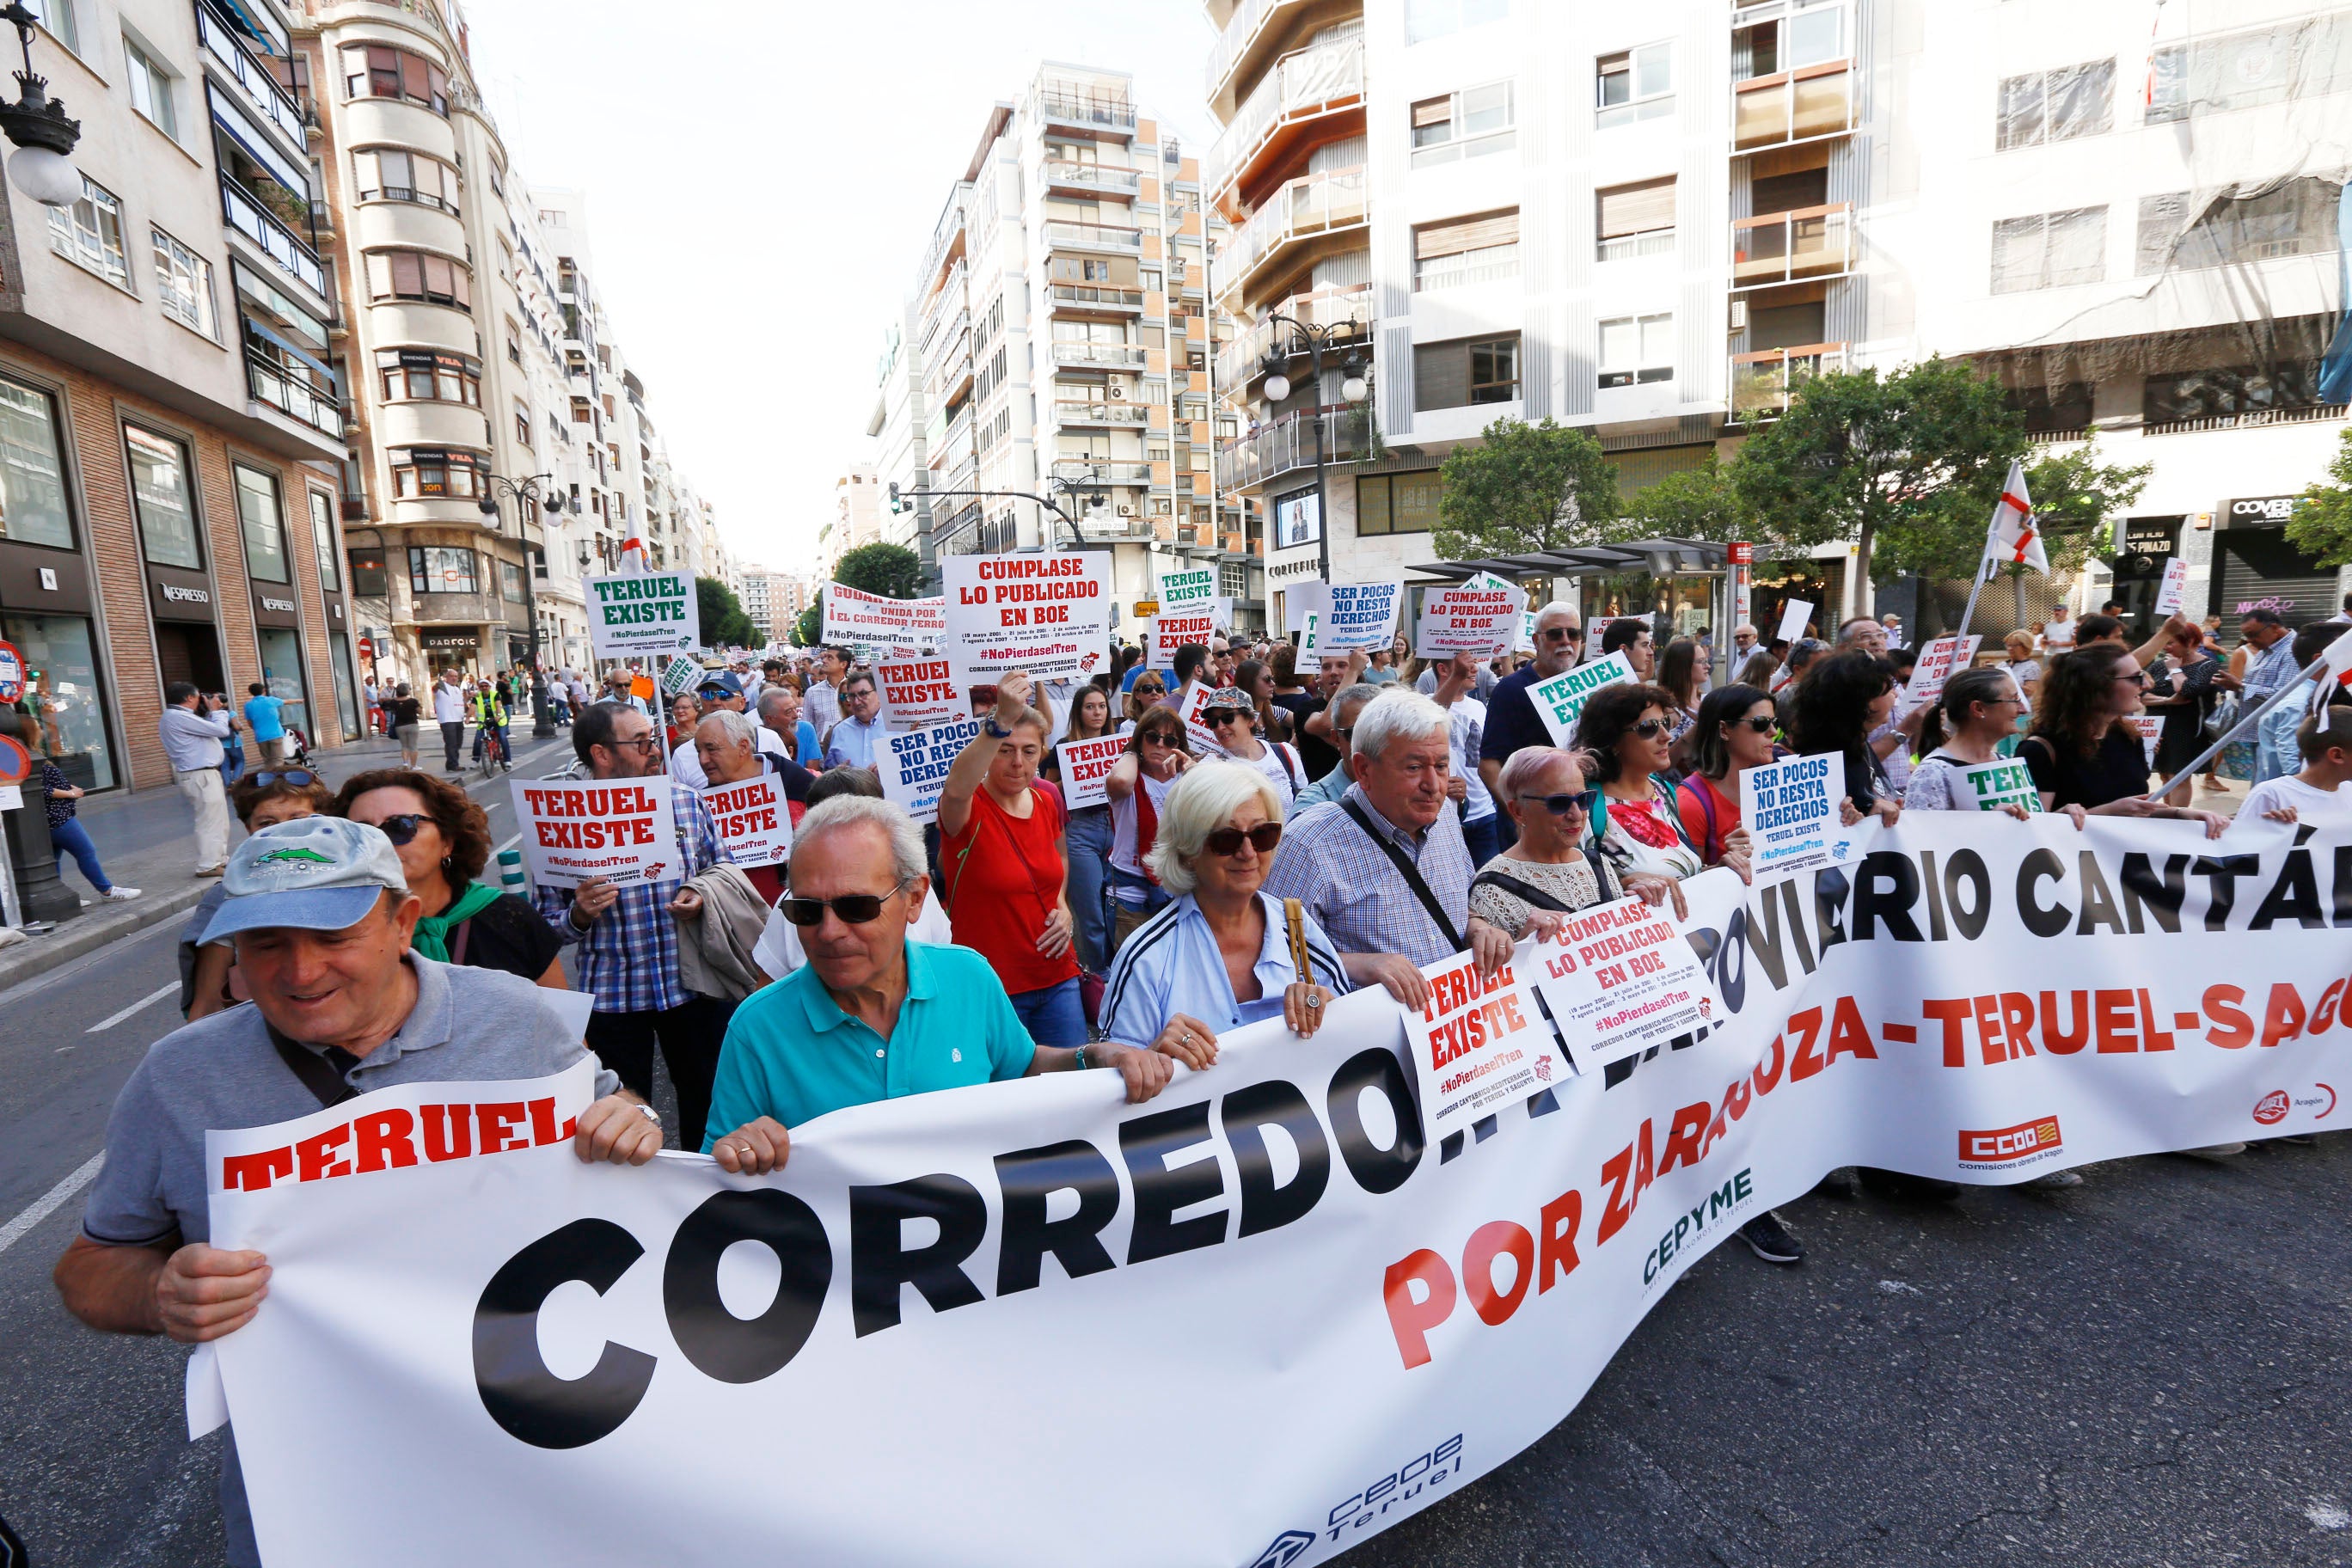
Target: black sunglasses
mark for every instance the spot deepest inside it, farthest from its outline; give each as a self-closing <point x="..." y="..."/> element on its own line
<point x="295" y="776"/>
<point x="1561" y="805"/>
<point x="1228" y="840"/>
<point x="403" y="828"/>
<point x="854" y="909"/>
<point x="1218" y="717"/>
<point x="1564" y="634"/>
<point x="1762" y="723"/>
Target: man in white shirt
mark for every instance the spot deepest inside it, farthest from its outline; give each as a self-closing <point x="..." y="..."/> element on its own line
<point x="192" y="731"/>
<point x="449" y="702"/>
<point x="821" y="704"/>
<point x="2058" y="631"/>
<point x="2316" y="796"/>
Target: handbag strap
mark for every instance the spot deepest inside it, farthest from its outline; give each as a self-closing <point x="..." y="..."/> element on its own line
<point x="1525" y="892"/>
<point x="1411" y="875"/>
<point x="322" y="1080"/>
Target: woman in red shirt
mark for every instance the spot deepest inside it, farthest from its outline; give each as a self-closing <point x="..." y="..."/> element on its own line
<point x="1003" y="867"/>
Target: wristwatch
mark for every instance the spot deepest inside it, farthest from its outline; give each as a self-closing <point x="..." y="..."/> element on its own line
<point x="995" y="730"/>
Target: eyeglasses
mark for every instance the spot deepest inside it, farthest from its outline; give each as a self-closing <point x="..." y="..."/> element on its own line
<point x="1563" y="634"/>
<point x="402" y="829"/>
<point x="641" y="742"/>
<point x="1762" y="723"/>
<point x="1566" y="804"/>
<point x="295" y="776"/>
<point x="1154" y="738"/>
<point x="1228" y="840"/>
<point x="1218" y="718"/>
<point x="854" y="909"/>
<point x="1648" y="728"/>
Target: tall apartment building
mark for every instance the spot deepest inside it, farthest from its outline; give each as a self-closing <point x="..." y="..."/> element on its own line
<point x="858" y="506"/>
<point x="1064" y="331"/>
<point x="896" y="428"/>
<point x="168" y="426"/>
<point x="774" y="600"/>
<point x="1647" y="224"/>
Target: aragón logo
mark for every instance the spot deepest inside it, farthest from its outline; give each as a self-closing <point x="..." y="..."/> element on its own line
<point x="2272" y="1109"/>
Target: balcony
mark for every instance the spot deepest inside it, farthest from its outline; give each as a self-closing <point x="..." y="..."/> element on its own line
<point x="1301" y="87"/>
<point x="1086" y="110"/>
<point x="1101" y="471"/>
<point x="1288" y="445"/>
<point x="1627" y="247"/>
<point x="1792" y="106"/>
<point x="295" y="399"/>
<point x="1118" y="356"/>
<point x="1119" y="414"/>
<point x="1329" y="202"/>
<point x="243" y="211"/>
<point x="1761" y="383"/>
<point x="1782" y="248"/>
<point x="1093" y="299"/>
<point x="949" y="299"/>
<point x="1093" y="237"/>
<point x="947" y="239"/>
<point x="272" y="102"/>
<point x="1246" y="36"/>
<point x="2303" y="414"/>
<point x="1091" y="179"/>
<point x="1348" y="308"/>
<point x="1464" y="268"/>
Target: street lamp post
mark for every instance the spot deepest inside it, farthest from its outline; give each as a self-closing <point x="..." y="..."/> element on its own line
<point x="1352" y="390"/>
<point x="42" y="166"/>
<point x="522" y="491"/>
<point x="1089" y="493"/>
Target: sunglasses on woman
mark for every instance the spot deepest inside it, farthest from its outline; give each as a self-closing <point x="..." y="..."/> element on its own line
<point x="1228" y="840"/>
<point x="1218" y="718"/>
<point x="854" y="909"/>
<point x="1154" y="738"/>
<point x="402" y="829"/>
<point x="1762" y="723"/>
<point x="298" y="777"/>
<point x="1647" y="729"/>
<point x="1563" y="804"/>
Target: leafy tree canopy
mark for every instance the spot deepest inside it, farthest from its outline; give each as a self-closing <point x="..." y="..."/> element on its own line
<point x="724" y="624"/>
<point x="2322" y="524"/>
<point x="1525" y="488"/>
<point x="890" y="571"/>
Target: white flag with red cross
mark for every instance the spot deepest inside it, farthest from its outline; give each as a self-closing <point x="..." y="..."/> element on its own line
<point x="2016" y="534"/>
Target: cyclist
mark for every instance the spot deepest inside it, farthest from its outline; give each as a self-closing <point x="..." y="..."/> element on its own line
<point x="489" y="713"/>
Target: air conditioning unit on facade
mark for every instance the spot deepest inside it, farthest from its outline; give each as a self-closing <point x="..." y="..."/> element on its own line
<point x="1127" y="509"/>
<point x="1117" y="391"/>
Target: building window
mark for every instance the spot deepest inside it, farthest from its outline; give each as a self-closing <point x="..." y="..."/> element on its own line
<point x="1635" y="220"/>
<point x="377" y="70"/>
<point x="1483" y="248"/>
<point x="420" y="275"/>
<point x="2297" y="61"/>
<point x="2297" y="218"/>
<point x="150" y="89"/>
<point x="438" y="569"/>
<point x="391" y="175"/>
<point x="1638" y="84"/>
<point x="1637" y="350"/>
<point x="422" y="475"/>
<point x="1465" y="372"/>
<point x="2227" y="391"/>
<point x="2056" y="105"/>
<point x="33" y="509"/>
<point x="164" y="498"/>
<point x="184" y="281"/>
<point x="264" y="535"/>
<point x="368" y="579"/>
<point x="1397" y="503"/>
<point x="58" y="17"/>
<point x="322" y="540"/>
<point x="510" y="582"/>
<point x="1466" y="125"/>
<point x="90" y="234"/>
<point x="2049" y="249"/>
<point x="1427" y="19"/>
<point x="414" y="375"/>
<point x="522" y="422"/>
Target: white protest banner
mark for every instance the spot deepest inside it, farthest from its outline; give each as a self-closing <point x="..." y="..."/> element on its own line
<point x="1526" y="643"/>
<point x="680" y="675"/>
<point x="1086" y="767"/>
<point x="1791" y="811"/>
<point x="619" y="829"/>
<point x="871" y="620"/>
<point x="1193" y="585"/>
<point x="1478" y="1045"/>
<point x="1351" y="616"/>
<point x="532" y="1334"/>
<point x="2150" y="729"/>
<point x="1938" y="661"/>
<point x="1795" y="617"/>
<point x="914" y="767"/>
<point x="1193" y="704"/>
<point x="637" y="612"/>
<point x="1559" y="699"/>
<point x="1621" y="978"/>
<point x="1463" y="618"/>
<point x="2004" y="781"/>
<point x="2176" y="583"/>
<point x="918" y="693"/>
<point x="1048" y="614"/>
<point x="1170" y="632"/>
<point x="753" y="819"/>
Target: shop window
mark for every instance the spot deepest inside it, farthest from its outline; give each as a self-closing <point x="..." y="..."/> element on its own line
<point x="440" y="569"/>
<point x="1397" y="503"/>
<point x="33" y="508"/>
<point x="63" y="693"/>
<point x="265" y="534"/>
<point x="322" y="540"/>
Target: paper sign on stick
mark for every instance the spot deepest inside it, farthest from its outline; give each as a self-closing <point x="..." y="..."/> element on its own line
<point x="1349" y="616"/>
<point x="1791" y="811"/>
<point x="918" y="693"/>
<point x="854" y="618"/>
<point x="1795" y="617"/>
<point x="2168" y="591"/>
<point x="1195" y="702"/>
<point x="680" y="675"/>
<point x="1479" y="1046"/>
<point x="1560" y="700"/>
<point x="1048" y="614"/>
<point x="2006" y="781"/>
<point x="1085" y="768"/>
<point x="914" y="767"/>
<point x="635" y="613"/>
<point x="1469" y="619"/>
<point x="755" y="821"/>
<point x="1180" y="590"/>
<point x="621" y="830"/>
<point x="1170" y="632"/>
<point x="1621" y="978"/>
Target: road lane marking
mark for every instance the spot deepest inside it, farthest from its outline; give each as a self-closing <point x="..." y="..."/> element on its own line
<point x="147" y="1001"/>
<point x="48" y="1203"/>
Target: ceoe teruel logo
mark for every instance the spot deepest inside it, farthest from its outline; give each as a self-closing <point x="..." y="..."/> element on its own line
<point x="1287" y="1548"/>
<point x="2272" y="1109"/>
<point x="2001" y="1145"/>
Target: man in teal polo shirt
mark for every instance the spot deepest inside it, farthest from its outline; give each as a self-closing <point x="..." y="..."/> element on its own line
<point x="872" y="1015"/>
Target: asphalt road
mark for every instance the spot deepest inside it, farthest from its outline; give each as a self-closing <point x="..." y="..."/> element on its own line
<point x="2149" y="1368"/>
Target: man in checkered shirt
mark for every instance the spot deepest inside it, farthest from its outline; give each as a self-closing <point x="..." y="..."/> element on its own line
<point x="1331" y="862"/>
<point x="628" y="941"/>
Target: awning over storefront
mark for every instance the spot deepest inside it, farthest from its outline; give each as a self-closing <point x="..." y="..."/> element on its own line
<point x="1657" y="556"/>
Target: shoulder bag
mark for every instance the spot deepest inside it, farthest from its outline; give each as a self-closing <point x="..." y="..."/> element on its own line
<point x="1411" y="875"/>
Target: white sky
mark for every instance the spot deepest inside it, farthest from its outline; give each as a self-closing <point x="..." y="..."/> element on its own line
<point x="762" y="177"/>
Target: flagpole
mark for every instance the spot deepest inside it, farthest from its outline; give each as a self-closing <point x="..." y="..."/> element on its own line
<point x="2310" y="671"/>
<point x="1992" y="533"/>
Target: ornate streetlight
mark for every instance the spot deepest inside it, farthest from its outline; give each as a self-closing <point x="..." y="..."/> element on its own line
<point x="522" y="491"/>
<point x="1313" y="342"/>
<point x="42" y="165"/>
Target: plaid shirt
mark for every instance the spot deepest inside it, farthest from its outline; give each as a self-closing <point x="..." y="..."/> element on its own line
<point x="629" y="959"/>
<point x="1355" y="893"/>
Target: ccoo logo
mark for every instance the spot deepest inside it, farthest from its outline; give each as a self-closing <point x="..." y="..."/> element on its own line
<point x="2272" y="1109"/>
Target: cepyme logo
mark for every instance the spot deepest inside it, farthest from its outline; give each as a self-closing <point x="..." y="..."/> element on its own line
<point x="2002" y="1145"/>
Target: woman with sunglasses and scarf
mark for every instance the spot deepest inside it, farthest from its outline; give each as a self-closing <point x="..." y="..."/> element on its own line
<point x="1223" y="952"/>
<point x="1139" y="787"/>
<point x="1234" y="721"/>
<point x="1734" y="732"/>
<point x="442" y="839"/>
<point x="1547" y="874"/>
<point x="1150" y="688"/>
<point x="1635" y="824"/>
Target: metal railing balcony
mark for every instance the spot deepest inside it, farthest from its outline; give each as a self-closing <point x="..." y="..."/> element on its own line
<point x="1093" y="237"/>
<point x="1780" y="247"/>
<point x="1345" y="308"/>
<point x="2303" y="414"/>
<point x="1071" y="174"/>
<point x="950" y="300"/>
<point x="244" y="212"/>
<point x="1627" y="247"/>
<point x="1086" y="108"/>
<point x="1310" y="204"/>
<point x="296" y="399"/>
<point x="1762" y="383"/>
<point x="1488" y="263"/>
<point x="1241" y="30"/>
<point x="262" y="93"/>
<point x="1116" y="354"/>
<point x="1102" y="413"/>
<point x="949" y="229"/>
<point x="1288" y="444"/>
<point x="1102" y="471"/>
<point x="1792" y="106"/>
<point x="1095" y="297"/>
<point x="1301" y="86"/>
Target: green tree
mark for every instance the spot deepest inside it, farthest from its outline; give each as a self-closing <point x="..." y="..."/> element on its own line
<point x="811" y="626"/>
<point x="1525" y="488"/>
<point x="890" y="571"/>
<point x="2076" y="497"/>
<point x="2322" y="524"/>
<point x="1907" y="466"/>
<point x="1697" y="503"/>
<point x="724" y="624"/>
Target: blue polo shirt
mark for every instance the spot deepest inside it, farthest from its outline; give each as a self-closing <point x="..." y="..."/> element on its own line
<point x="793" y="1054"/>
<point x="261" y="713"/>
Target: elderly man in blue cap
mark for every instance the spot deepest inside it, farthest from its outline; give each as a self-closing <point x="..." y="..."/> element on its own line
<point x="321" y="915"/>
<point x="719" y="691"/>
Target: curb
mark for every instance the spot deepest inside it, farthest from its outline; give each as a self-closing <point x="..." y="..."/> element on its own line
<point x="87" y="933"/>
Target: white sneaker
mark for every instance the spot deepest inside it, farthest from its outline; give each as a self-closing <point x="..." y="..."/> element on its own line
<point x="119" y="891"/>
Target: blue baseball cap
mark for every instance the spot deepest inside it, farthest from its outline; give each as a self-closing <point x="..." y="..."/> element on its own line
<point x="723" y="681"/>
<point x="317" y="873"/>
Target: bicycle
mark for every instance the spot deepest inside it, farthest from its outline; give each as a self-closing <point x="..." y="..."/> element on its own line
<point x="495" y="756"/>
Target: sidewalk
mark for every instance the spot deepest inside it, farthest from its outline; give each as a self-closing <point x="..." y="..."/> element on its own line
<point x="145" y="840"/>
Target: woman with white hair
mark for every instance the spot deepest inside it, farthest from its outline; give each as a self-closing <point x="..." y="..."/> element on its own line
<point x="1223" y="952"/>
